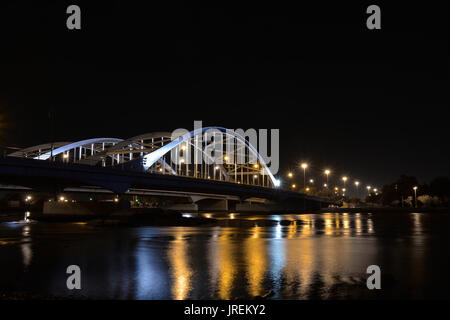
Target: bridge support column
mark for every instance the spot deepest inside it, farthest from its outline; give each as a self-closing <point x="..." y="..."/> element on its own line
<point x="214" y="205"/>
<point x="188" y="207"/>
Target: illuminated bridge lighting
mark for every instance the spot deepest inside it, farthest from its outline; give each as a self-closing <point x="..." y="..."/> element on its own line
<point x="160" y="153"/>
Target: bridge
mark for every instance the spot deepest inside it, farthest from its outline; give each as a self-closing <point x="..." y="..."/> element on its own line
<point x="207" y="169"/>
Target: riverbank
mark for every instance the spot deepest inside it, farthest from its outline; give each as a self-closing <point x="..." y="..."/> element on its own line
<point x="160" y="217"/>
<point x="384" y="209"/>
<point x="9" y="217"/>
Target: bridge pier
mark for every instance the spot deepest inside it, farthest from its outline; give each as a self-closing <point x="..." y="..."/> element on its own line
<point x="188" y="207"/>
<point x="213" y="205"/>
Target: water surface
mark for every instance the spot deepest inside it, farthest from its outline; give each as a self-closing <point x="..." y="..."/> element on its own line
<point x="317" y="256"/>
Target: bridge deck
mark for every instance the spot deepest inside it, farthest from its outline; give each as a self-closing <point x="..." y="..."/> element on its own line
<point x="45" y="175"/>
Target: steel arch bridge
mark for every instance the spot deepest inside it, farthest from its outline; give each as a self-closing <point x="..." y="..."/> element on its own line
<point x="213" y="153"/>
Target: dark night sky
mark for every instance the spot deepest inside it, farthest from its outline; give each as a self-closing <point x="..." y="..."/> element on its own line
<point x="370" y="104"/>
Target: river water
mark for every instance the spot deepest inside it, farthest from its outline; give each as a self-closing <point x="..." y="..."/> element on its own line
<point x="316" y="256"/>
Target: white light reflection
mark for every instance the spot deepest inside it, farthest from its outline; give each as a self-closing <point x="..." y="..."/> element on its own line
<point x="27" y="252"/>
<point x="278" y="231"/>
<point x="151" y="275"/>
<point x="277" y="253"/>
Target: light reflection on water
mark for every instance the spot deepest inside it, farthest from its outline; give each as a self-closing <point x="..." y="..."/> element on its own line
<point x="26" y="246"/>
<point x="314" y="256"/>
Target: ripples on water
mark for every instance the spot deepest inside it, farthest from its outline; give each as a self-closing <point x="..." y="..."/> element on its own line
<point x="314" y="256"/>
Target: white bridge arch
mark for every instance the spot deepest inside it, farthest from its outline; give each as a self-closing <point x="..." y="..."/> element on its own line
<point x="160" y="153"/>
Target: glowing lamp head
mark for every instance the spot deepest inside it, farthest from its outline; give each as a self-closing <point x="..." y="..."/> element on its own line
<point x="344" y="178"/>
<point x="290" y="175"/>
<point x="304" y="165"/>
<point x="356" y="183"/>
<point x="415" y="188"/>
<point x="327" y="172"/>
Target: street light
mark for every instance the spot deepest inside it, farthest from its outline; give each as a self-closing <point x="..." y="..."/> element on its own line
<point x="357" y="185"/>
<point x="304" y="166"/>
<point x="415" y="196"/>
<point x="368" y="189"/>
<point x="215" y="170"/>
<point x="290" y="175"/>
<point x="344" y="178"/>
<point x="327" y="172"/>
<point x="311" y="181"/>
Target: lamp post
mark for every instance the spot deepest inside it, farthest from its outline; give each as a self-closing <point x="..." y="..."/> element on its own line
<point x="415" y="196"/>
<point x="304" y="166"/>
<point x="327" y="172"/>
<point x="344" y="178"/>
<point x="357" y="190"/>
<point x="368" y="189"/>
